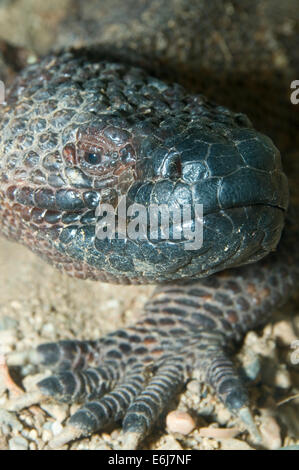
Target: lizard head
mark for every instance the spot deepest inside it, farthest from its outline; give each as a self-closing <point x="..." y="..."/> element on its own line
<point x="77" y="135"/>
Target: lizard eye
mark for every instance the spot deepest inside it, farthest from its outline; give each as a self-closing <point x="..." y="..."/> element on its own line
<point x="101" y="150"/>
<point x="93" y="158"/>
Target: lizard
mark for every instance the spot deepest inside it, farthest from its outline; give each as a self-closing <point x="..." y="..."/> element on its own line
<point x="76" y="132"/>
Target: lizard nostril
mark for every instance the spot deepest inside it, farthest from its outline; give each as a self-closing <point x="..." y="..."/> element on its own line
<point x="172" y="166"/>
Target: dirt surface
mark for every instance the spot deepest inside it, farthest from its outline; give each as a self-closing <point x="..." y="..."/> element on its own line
<point x="244" y="55"/>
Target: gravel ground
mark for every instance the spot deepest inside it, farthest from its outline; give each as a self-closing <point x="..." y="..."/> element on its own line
<point x="38" y="304"/>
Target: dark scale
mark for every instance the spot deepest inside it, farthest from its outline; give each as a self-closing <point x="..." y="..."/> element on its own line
<point x="115" y="132"/>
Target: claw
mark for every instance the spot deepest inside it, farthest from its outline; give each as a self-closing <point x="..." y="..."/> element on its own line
<point x="130" y="440"/>
<point x="69" y="433"/>
<point x="247" y="418"/>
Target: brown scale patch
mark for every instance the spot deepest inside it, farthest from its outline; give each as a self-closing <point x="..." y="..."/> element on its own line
<point x="207" y="297"/>
<point x="157" y="352"/>
<point x="262" y="295"/>
<point x="149" y="341"/>
<point x="258" y="295"/>
<point x="233" y="286"/>
<point x="251" y="289"/>
<point x="232" y="317"/>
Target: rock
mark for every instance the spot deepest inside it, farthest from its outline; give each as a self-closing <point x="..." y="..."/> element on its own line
<point x="223" y="416"/>
<point x="170" y="443"/>
<point x="235" y="444"/>
<point x="270" y="433"/>
<point x="48" y="330"/>
<point x="9" y="419"/>
<point x="283" y="379"/>
<point x="56" y="428"/>
<point x="252" y="366"/>
<point x="284" y="331"/>
<point x="193" y="387"/>
<point x="7" y="338"/>
<point x="18" y="443"/>
<point x="47" y="435"/>
<point x="180" y="422"/>
<point x="8" y="323"/>
<point x="219" y="433"/>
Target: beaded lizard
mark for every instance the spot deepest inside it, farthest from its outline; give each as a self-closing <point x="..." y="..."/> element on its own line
<point x="75" y="133"/>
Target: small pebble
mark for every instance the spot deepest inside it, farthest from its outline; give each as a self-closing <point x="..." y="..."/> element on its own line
<point x="47" y="435"/>
<point x="9" y="419"/>
<point x="223" y="416"/>
<point x="18" y="443"/>
<point x="235" y="444"/>
<point x="27" y="418"/>
<point x="252" y="366"/>
<point x="283" y="379"/>
<point x="113" y="304"/>
<point x="115" y="434"/>
<point x="56" y="428"/>
<point x="16" y="305"/>
<point x="208" y="444"/>
<point x="219" y="433"/>
<point x="284" y="331"/>
<point x="270" y="432"/>
<point x="33" y="434"/>
<point x="58" y="412"/>
<point x="48" y="329"/>
<point x="263" y="346"/>
<point x="5" y="430"/>
<point x="170" y="443"/>
<point x="8" y="323"/>
<point x="48" y="426"/>
<point x="7" y="338"/>
<point x="180" y="421"/>
<point x="193" y="387"/>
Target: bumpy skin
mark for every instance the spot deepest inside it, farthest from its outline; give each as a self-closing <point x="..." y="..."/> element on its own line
<point x="75" y="133"/>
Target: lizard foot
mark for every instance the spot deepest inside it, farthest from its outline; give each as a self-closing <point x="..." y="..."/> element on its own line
<point x="132" y="375"/>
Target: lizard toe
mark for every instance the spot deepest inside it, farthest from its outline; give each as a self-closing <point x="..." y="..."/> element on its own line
<point x="78" y="386"/>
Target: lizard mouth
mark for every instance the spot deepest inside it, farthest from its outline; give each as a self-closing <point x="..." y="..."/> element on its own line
<point x="242" y="222"/>
<point x="78" y="201"/>
<point x="231" y="237"/>
<point x="53" y="212"/>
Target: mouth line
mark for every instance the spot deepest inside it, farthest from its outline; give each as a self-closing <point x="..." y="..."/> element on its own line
<point x="265" y="204"/>
<point x="70" y="200"/>
<point x="54" y="208"/>
<point x="55" y="218"/>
